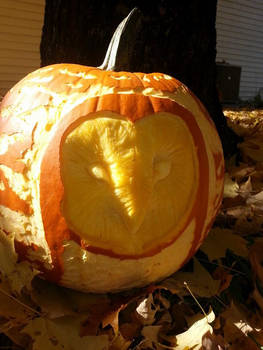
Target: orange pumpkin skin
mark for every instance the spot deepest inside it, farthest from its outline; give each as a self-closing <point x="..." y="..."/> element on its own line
<point x="42" y="110"/>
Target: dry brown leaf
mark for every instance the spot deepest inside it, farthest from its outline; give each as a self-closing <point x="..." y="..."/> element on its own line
<point x="224" y="277"/>
<point x="256" y="200"/>
<point x="200" y="325"/>
<point x="15" y="275"/>
<point x="237" y="329"/>
<point x="229" y="203"/>
<point x="119" y="343"/>
<point x="15" y="310"/>
<point x="98" y="309"/>
<point x="62" y="334"/>
<point x="165" y="303"/>
<point x="252" y="148"/>
<point x="231" y="187"/>
<point x="257" y="296"/>
<point x="257" y="178"/>
<point x="165" y="319"/>
<point x="243" y="220"/>
<point x="8" y="256"/>
<point x="255" y="256"/>
<point x="219" y="240"/>
<point x="213" y="342"/>
<point x="130" y="330"/>
<point x="112" y="319"/>
<point x="180" y="312"/>
<point x="240" y="172"/>
<point x="151" y="337"/>
<point x="57" y="301"/>
<point x="245" y="188"/>
<point x="135" y="315"/>
<point x="20" y="339"/>
<point x="21" y="277"/>
<point x="248" y="221"/>
<point x="51" y="299"/>
<point x="244" y="122"/>
<point x="199" y="281"/>
<point x="146" y="310"/>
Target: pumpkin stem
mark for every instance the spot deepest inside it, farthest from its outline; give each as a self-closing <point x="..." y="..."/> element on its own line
<point x="121" y="44"/>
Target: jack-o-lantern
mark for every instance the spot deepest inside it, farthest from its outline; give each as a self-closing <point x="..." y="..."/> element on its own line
<point x="109" y="180"/>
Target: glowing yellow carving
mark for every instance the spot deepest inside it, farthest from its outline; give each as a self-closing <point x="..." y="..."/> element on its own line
<point x="122" y="179"/>
<point x="40" y="80"/>
<point x="167" y="77"/>
<point x="82" y="75"/>
<point x="145" y="78"/>
<point x="2" y="186"/>
<point x="16" y="181"/>
<point x="74" y="86"/>
<point x="7" y="140"/>
<point x="122" y="77"/>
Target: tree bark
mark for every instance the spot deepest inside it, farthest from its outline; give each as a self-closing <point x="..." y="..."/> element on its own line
<point x="174" y="37"/>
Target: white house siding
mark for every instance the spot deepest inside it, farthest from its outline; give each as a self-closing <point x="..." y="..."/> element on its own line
<point x="239" y="27"/>
<point x="21" y="24"/>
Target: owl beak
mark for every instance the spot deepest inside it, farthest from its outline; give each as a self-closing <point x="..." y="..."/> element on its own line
<point x="133" y="191"/>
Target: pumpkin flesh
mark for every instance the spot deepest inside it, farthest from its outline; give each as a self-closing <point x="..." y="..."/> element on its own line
<point x="122" y="179"/>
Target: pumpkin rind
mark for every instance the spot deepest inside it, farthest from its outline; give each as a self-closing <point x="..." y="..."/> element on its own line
<point x="42" y="110"/>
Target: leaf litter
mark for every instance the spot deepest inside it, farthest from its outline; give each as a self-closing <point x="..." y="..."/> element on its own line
<point x="215" y="302"/>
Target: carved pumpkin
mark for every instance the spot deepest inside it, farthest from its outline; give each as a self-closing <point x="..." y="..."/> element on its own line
<point x="109" y="180"/>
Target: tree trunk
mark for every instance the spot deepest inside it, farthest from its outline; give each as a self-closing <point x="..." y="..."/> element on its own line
<point x="174" y="37"/>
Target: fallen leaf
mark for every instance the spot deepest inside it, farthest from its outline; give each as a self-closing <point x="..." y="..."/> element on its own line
<point x="257" y="296"/>
<point x="62" y="334"/>
<point x="52" y="299"/>
<point x="130" y="330"/>
<point x="256" y="258"/>
<point x="248" y="222"/>
<point x="256" y="200"/>
<point x="237" y="329"/>
<point x="165" y="319"/>
<point x="119" y="343"/>
<point x="20" y="339"/>
<point x="15" y="310"/>
<point x="224" y="277"/>
<point x="240" y="172"/>
<point x="245" y="188"/>
<point x="200" y="325"/>
<point x="244" y="122"/>
<point x="180" y="312"/>
<point x="8" y="256"/>
<point x="219" y="240"/>
<point x="146" y="310"/>
<point x="16" y="275"/>
<point x="231" y="187"/>
<point x="199" y="281"/>
<point x="257" y="178"/>
<point x="252" y="148"/>
<point x="112" y="319"/>
<point x="150" y="334"/>
<point x="98" y="308"/>
<point x="213" y="342"/>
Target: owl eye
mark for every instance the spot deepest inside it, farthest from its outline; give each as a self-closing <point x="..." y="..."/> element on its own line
<point x="161" y="169"/>
<point x="99" y="172"/>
